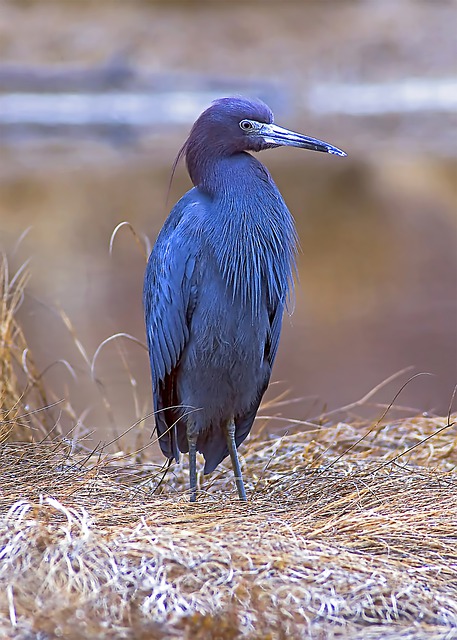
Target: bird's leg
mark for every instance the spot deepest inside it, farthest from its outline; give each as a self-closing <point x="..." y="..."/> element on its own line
<point x="231" y="444"/>
<point x="192" y="440"/>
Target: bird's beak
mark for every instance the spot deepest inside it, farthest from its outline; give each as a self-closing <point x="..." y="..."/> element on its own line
<point x="278" y="136"/>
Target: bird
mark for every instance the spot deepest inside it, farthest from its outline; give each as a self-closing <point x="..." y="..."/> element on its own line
<point x="217" y="282"/>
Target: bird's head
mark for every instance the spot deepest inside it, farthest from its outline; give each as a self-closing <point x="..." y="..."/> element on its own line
<point x="233" y="125"/>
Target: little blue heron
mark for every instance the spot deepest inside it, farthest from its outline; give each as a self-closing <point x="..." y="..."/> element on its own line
<point x="216" y="285"/>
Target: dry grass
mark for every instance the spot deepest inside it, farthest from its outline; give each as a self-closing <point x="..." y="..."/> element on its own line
<point x="343" y="536"/>
<point x="14" y="358"/>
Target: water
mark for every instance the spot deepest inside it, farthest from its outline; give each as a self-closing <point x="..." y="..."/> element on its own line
<point x="409" y="96"/>
<point x="378" y="230"/>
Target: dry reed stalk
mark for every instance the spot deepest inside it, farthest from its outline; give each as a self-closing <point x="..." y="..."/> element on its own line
<point x="20" y="390"/>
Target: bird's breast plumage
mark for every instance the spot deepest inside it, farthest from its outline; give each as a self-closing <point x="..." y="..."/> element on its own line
<point x="252" y="235"/>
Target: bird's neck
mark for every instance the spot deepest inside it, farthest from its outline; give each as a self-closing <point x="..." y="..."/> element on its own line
<point x="216" y="174"/>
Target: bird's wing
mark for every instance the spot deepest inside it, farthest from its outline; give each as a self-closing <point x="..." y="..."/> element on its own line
<point x="168" y="297"/>
<point x="215" y="450"/>
<point x="244" y="423"/>
<point x="274" y="333"/>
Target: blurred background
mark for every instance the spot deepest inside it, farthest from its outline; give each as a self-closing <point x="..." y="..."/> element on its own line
<point x="96" y="98"/>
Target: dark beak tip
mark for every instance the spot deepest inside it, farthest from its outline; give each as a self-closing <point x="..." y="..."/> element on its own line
<point x="338" y="152"/>
<point x="334" y="151"/>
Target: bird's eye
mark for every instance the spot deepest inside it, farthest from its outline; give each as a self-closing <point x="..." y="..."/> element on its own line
<point x="246" y="125"/>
